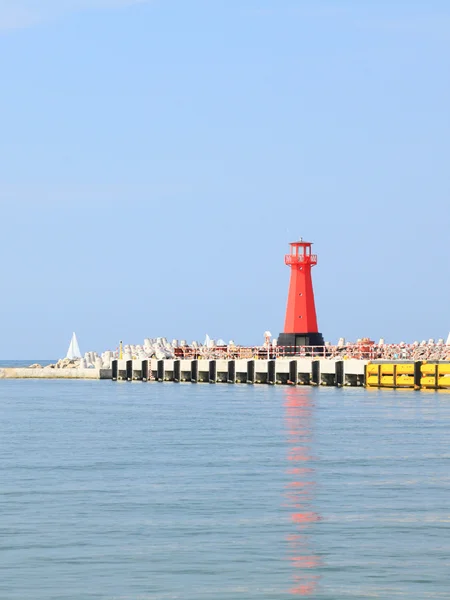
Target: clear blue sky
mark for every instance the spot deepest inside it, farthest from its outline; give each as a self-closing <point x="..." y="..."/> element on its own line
<point x="157" y="157"/>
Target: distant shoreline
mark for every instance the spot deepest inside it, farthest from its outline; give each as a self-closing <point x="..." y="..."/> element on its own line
<point x="16" y="363"/>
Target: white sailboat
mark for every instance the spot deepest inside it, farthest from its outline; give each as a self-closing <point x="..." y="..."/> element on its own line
<point x="74" y="349"/>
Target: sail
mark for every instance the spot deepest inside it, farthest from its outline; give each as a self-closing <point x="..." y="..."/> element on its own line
<point x="447" y="343"/>
<point x="74" y="349"/>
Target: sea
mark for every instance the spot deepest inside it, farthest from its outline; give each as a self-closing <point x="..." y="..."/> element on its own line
<point x="164" y="491"/>
<point x="25" y="363"/>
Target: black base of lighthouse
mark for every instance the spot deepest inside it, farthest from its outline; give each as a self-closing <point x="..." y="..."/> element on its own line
<point x="300" y="339"/>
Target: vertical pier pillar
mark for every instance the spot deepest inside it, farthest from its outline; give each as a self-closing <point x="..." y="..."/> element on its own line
<point x="176" y="371"/>
<point x="115" y="369"/>
<point x="194" y="371"/>
<point x="251" y="371"/>
<point x="129" y="369"/>
<point x="315" y="375"/>
<point x="271" y="372"/>
<point x="212" y="371"/>
<point x="144" y="369"/>
<point x="293" y="372"/>
<point x="231" y="377"/>
<point x="160" y="370"/>
<point x="339" y="373"/>
<point x="417" y="374"/>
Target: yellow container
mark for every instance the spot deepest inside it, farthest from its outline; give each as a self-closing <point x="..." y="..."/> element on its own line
<point x="444" y="381"/>
<point x="402" y="375"/>
<point x="428" y="382"/>
<point x="372" y="370"/>
<point x="404" y="381"/>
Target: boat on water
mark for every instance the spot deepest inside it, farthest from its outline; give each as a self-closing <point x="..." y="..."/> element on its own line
<point x="74" y="349"/>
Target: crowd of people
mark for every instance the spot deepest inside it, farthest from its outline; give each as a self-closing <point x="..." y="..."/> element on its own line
<point x="416" y="351"/>
<point x="362" y="349"/>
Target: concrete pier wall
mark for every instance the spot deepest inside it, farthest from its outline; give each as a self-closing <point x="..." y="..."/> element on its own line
<point x="284" y="371"/>
<point x="26" y="373"/>
<point x="296" y="371"/>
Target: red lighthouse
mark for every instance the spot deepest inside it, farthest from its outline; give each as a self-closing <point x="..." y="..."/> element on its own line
<point x="300" y="326"/>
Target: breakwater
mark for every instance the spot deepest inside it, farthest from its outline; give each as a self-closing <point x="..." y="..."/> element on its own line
<point x="296" y="371"/>
<point x="45" y="373"/>
<point x="281" y="371"/>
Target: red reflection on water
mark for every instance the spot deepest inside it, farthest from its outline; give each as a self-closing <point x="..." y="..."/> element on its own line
<point x="305" y="589"/>
<point x="307" y="517"/>
<point x="299" y="483"/>
<point x="302" y="450"/>
<point x="299" y="491"/>
<point x="298" y="457"/>
<point x="305" y="562"/>
<point x="298" y="471"/>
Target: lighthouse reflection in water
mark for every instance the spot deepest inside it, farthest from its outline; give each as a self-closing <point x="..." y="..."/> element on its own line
<point x="299" y="493"/>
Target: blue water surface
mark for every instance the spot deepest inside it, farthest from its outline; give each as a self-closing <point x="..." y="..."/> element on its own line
<point x="25" y="363"/>
<point x="133" y="491"/>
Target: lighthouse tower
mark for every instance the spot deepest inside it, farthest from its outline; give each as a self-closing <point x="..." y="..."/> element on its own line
<point x="300" y="326"/>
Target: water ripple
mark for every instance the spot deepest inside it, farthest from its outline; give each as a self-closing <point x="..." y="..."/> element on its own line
<point x="158" y="492"/>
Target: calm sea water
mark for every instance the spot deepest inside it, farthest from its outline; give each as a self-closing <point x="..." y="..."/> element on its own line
<point x="164" y="491"/>
<point x="25" y="363"/>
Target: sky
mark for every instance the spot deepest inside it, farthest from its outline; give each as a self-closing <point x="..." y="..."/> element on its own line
<point x="156" y="159"/>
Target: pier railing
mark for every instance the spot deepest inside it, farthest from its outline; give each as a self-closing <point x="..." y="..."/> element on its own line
<point x="356" y="351"/>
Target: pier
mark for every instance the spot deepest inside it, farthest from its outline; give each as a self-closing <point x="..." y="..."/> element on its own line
<point x="401" y="374"/>
<point x="297" y="371"/>
<point x="44" y="373"/>
<point x="280" y="371"/>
